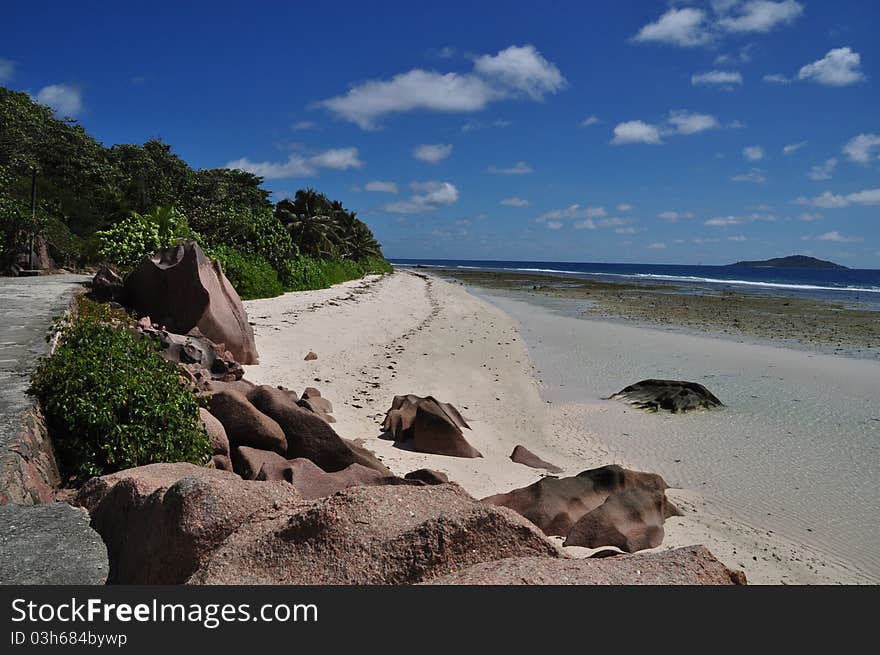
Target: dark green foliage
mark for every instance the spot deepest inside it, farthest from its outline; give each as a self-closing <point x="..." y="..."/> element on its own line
<point x="305" y="273"/>
<point x="325" y="228"/>
<point x="113" y="401"/>
<point x="251" y="275"/>
<point x="250" y="231"/>
<point x="107" y="204"/>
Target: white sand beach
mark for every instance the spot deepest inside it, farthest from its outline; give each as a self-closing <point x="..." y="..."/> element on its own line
<point x="771" y="501"/>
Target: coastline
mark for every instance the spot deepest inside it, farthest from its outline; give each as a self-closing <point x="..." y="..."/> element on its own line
<point x="414" y="333"/>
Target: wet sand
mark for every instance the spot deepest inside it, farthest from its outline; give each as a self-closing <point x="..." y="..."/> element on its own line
<point x="804" y="323"/>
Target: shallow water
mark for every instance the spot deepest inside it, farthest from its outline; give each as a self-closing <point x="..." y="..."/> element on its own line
<point x="796" y="450"/>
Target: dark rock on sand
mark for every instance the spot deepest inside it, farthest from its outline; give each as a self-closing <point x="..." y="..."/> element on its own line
<point x="372" y="535"/>
<point x="675" y="396"/>
<point x="182" y="289"/>
<point x="691" y="565"/>
<point x="161" y="522"/>
<point x="245" y="425"/>
<point x="107" y="286"/>
<point x="522" y="455"/>
<point x="428" y="476"/>
<point x="247" y="462"/>
<point x="310" y="356"/>
<point x="307" y="435"/>
<point x="50" y="543"/>
<point x="556" y="504"/>
<point x="313" y="401"/>
<point x="630" y="519"/>
<point x="433" y="427"/>
<point x="311" y="482"/>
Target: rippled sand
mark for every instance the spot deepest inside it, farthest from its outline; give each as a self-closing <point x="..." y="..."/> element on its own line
<point x="793" y="455"/>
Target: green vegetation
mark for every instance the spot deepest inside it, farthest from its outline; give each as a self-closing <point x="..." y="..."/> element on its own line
<point x="111" y="399"/>
<point x="251" y="275"/>
<point x="121" y="203"/>
<point x="126" y="242"/>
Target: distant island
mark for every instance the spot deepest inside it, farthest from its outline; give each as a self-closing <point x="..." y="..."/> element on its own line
<point x="792" y="261"/>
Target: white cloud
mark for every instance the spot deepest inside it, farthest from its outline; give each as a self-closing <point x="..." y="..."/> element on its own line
<point x="862" y="148"/>
<point x="717" y="77"/>
<point x="723" y="221"/>
<point x="589" y="120"/>
<point x="587" y="224"/>
<point x="684" y="27"/>
<point x="520" y="168"/>
<point x="340" y="159"/>
<point x="868" y="197"/>
<point x="613" y="222"/>
<point x="515" y="202"/>
<point x="808" y="217"/>
<point x="304" y="125"/>
<point x="755" y="175"/>
<point x="823" y="171"/>
<point x="744" y="56"/>
<point x="518" y="71"/>
<point x="377" y="186"/>
<point x="674" y="217"/>
<point x="840" y="67"/>
<point x="690" y="27"/>
<point x="432" y="153"/>
<point x="828" y="200"/>
<point x="753" y="153"/>
<point x="657" y="246"/>
<point x="834" y="235"/>
<point x="738" y="237"/>
<point x="573" y="212"/>
<point x="760" y="15"/>
<point x="777" y="78"/>
<point x="793" y="147"/>
<point x="66" y="100"/>
<point x="623" y="207"/>
<point x="7" y="70"/>
<point x="687" y="123"/>
<point x="473" y="124"/>
<point x="427" y="196"/>
<point x="523" y="69"/>
<point x="636" y="132"/>
<point x="627" y="230"/>
<point x="554" y="225"/>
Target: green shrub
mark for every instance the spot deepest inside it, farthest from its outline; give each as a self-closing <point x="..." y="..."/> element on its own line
<point x="305" y="273"/>
<point x="251" y="275"/>
<point x="112" y="401"/>
<point x="247" y="230"/>
<point x="138" y="235"/>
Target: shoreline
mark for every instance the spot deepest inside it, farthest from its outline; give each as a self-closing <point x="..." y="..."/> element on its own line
<point x="805" y="324"/>
<point x="479" y="361"/>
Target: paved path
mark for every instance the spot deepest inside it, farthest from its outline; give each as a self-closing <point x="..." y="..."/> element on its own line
<point x="27" y="306"/>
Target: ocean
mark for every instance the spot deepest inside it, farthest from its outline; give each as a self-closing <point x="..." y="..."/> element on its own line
<point x="852" y="286"/>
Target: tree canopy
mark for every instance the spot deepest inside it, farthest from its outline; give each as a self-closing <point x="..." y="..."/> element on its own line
<point x="90" y="196"/>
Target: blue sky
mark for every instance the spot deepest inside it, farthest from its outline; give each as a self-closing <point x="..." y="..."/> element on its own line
<point x="680" y="132"/>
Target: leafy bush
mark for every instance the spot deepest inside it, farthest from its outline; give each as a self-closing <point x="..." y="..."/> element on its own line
<point x="251" y="275"/>
<point x="304" y="273"/>
<point x="139" y="235"/>
<point x="113" y="401"/>
<point x="247" y="230"/>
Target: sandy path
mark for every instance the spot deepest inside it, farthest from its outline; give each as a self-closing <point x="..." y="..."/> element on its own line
<point x="403" y="333"/>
